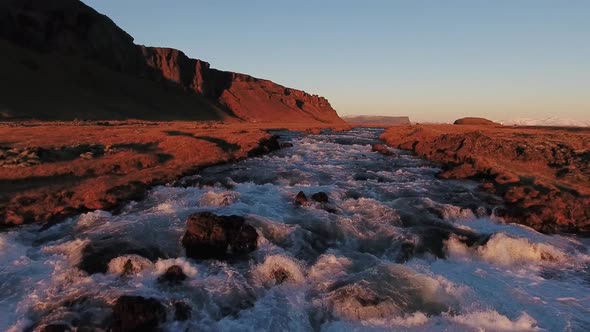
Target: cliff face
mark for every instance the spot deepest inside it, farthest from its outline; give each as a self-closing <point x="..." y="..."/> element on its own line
<point x="56" y="43"/>
<point x="248" y="98"/>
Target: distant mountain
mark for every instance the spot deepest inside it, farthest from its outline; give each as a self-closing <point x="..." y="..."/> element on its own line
<point x="552" y="122"/>
<point x="377" y="120"/>
<point x="61" y="60"/>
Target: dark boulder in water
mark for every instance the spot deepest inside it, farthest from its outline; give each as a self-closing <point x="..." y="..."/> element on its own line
<point x="137" y="313"/>
<point x="321" y="197"/>
<point x="280" y="275"/>
<point x="266" y="145"/>
<point x="97" y="255"/>
<point x="431" y="240"/>
<point x="286" y="145"/>
<point x="301" y="199"/>
<point x="56" y="327"/>
<point x="210" y="236"/>
<point x="182" y="311"/>
<point x="173" y="276"/>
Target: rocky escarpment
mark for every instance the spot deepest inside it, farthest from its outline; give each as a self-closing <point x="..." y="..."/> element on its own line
<point x="248" y="98"/>
<point x="79" y="64"/>
<point x="543" y="175"/>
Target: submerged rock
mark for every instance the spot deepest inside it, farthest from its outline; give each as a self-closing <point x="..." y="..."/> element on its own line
<point x="182" y="311"/>
<point x="137" y="313"/>
<point x="431" y="240"/>
<point x="97" y="255"/>
<point x="386" y="291"/>
<point x="321" y="197"/>
<point x="174" y="275"/>
<point x="286" y="145"/>
<point x="266" y="145"/>
<point x="211" y="236"/>
<point x="56" y="327"/>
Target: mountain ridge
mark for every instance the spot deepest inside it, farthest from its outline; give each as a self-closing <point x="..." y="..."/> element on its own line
<point x="49" y="48"/>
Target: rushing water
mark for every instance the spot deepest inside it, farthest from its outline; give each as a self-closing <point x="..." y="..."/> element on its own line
<point x="394" y="249"/>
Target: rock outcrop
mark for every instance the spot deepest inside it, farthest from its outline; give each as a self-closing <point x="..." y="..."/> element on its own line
<point x="210" y="236"/>
<point x="91" y="69"/>
<point x="543" y="175"/>
<point x="137" y="313"/>
<point x="475" y="122"/>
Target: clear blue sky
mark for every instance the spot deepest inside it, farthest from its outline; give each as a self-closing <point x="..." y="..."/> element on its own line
<point x="433" y="60"/>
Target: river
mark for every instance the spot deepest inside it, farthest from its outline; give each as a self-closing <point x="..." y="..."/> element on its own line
<point x="394" y="248"/>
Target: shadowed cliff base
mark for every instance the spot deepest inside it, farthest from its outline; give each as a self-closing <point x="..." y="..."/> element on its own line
<point x="62" y="60"/>
<point x="543" y="174"/>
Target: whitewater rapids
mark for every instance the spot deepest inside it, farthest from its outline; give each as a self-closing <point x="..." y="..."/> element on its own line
<point x="395" y="248"/>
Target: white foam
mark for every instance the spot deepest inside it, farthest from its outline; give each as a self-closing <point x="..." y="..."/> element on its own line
<point x="329" y="267"/>
<point x="502" y="249"/>
<point x="92" y="219"/>
<point x="71" y="249"/>
<point x="129" y="264"/>
<point x="491" y="320"/>
<point x="213" y="198"/>
<point x="277" y="269"/>
<point x="164" y="264"/>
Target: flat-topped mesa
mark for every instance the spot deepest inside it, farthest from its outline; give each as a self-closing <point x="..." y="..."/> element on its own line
<point x="377" y="120"/>
<point x="78" y="43"/>
<point x="475" y="121"/>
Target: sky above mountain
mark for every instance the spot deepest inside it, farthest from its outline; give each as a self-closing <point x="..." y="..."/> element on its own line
<point x="431" y="60"/>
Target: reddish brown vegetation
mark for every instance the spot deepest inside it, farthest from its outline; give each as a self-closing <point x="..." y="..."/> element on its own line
<point x="52" y="170"/>
<point x="542" y="173"/>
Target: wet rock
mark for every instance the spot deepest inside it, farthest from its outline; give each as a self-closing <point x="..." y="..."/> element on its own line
<point x="128" y="265"/>
<point x="301" y="199"/>
<point x="266" y="145"/>
<point x="382" y="149"/>
<point x="97" y="255"/>
<point x="174" y="275"/>
<point x="386" y="291"/>
<point x="286" y="145"/>
<point x="431" y="240"/>
<point x="56" y="327"/>
<point x="182" y="311"/>
<point x="210" y="236"/>
<point x="137" y="313"/>
<point x="330" y="209"/>
<point x="321" y="197"/>
<point x="280" y="276"/>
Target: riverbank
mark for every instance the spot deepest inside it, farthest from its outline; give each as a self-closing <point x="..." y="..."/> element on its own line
<point x="542" y="173"/>
<point x="51" y="170"/>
